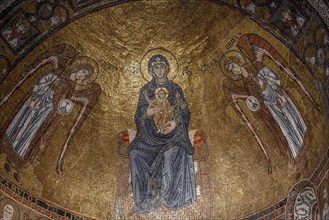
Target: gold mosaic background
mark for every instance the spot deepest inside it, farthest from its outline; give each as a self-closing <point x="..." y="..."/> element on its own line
<point x="196" y="33"/>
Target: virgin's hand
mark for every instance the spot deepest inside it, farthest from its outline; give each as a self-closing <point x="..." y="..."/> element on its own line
<point x="152" y="110"/>
<point x="169" y="127"/>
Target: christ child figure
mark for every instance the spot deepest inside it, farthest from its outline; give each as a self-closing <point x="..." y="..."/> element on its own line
<point x="165" y="110"/>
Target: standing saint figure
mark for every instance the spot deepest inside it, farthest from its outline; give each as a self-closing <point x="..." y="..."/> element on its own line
<point x="162" y="171"/>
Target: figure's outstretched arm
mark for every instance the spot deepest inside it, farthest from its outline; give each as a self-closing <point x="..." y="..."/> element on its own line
<point x="53" y="60"/>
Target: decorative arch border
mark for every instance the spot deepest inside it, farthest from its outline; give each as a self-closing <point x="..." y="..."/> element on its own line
<point x="292" y="197"/>
<point x="319" y="10"/>
<point x="274" y="211"/>
<point x="280" y="209"/>
<point x="37" y="204"/>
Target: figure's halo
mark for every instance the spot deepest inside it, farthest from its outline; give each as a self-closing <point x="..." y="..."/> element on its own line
<point x="83" y="60"/>
<point x="173" y="63"/>
<point x="229" y="74"/>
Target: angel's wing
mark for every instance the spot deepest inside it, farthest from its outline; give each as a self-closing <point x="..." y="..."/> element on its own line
<point x="257" y="48"/>
<point x="235" y="94"/>
<point x="87" y="102"/>
<point x="63" y="54"/>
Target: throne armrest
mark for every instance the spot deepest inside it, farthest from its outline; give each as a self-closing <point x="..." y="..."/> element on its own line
<point x="125" y="137"/>
<point x="198" y="139"/>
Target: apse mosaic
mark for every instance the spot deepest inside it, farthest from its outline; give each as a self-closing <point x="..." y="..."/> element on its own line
<point x="164" y="109"/>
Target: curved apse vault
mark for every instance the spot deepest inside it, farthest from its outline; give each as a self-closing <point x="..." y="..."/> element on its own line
<point x="75" y="87"/>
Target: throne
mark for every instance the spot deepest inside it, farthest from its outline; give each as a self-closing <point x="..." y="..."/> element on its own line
<point x="199" y="209"/>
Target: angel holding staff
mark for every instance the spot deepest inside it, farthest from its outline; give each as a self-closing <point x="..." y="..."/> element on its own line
<point x="262" y="90"/>
<point x="68" y="85"/>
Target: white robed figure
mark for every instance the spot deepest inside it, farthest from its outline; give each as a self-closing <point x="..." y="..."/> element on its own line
<point x="261" y="89"/>
<point x="283" y="110"/>
<point x="32" y="115"/>
<point x="26" y="134"/>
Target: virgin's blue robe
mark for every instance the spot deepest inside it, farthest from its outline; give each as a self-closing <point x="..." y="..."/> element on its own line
<point x="162" y="169"/>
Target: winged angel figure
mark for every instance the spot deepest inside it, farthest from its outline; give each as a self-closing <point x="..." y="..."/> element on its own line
<point x="69" y="85"/>
<point x="263" y="93"/>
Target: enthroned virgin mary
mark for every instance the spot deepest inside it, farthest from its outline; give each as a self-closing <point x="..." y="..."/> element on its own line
<point x="162" y="171"/>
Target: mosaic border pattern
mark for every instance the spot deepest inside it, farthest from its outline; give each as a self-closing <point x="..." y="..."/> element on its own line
<point x="278" y="209"/>
<point x="37" y="204"/>
<point x="6" y="5"/>
<point x="273" y="212"/>
<point x="76" y="11"/>
<point x="322" y="8"/>
<point x="16" y="15"/>
<point x="73" y="12"/>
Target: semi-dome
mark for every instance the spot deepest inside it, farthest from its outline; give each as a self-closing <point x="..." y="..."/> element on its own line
<point x="164" y="109"/>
